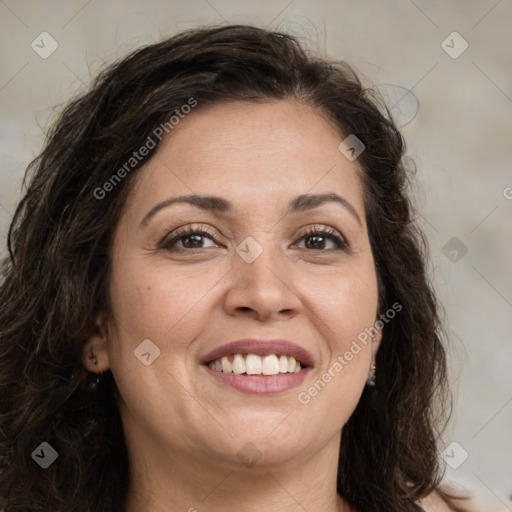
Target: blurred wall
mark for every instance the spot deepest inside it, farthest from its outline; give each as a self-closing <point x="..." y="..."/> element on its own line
<point x="454" y="58"/>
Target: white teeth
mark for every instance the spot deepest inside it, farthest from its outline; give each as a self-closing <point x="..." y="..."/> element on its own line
<point x="270" y="365"/>
<point x="253" y="364"/>
<point x="227" y="367"/>
<point x="238" y="364"/>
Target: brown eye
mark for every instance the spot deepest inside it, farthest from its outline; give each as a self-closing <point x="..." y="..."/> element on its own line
<point x="189" y="238"/>
<point x="318" y="237"/>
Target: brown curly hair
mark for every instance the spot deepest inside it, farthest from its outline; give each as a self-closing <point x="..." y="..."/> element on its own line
<point x="54" y="280"/>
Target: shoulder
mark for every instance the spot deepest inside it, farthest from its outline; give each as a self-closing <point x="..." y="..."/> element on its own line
<point x="467" y="501"/>
<point x="434" y="503"/>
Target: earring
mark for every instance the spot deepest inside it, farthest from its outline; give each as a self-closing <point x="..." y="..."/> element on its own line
<point x="371" y="376"/>
<point x="94" y="385"/>
<point x="92" y="356"/>
<point x="370" y="381"/>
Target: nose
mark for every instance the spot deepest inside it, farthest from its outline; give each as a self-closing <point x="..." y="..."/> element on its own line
<point x="262" y="289"/>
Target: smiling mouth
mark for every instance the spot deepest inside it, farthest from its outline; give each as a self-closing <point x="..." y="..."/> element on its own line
<point x="253" y="364"/>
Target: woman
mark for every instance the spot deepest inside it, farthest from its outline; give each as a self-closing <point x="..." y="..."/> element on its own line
<point x="216" y="297"/>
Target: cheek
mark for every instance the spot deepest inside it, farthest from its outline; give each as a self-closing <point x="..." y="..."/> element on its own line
<point x="344" y="303"/>
<point x="345" y="307"/>
<point x="152" y="303"/>
<point x="157" y="303"/>
<point x="357" y="306"/>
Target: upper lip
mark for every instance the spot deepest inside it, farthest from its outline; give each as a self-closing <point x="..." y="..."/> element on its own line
<point x="261" y="348"/>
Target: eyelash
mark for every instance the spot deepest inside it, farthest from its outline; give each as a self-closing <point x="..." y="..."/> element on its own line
<point x="186" y="231"/>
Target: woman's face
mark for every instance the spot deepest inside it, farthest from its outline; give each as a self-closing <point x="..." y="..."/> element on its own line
<point x="256" y="274"/>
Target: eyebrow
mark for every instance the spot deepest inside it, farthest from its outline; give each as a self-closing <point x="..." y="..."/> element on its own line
<point x="301" y="203"/>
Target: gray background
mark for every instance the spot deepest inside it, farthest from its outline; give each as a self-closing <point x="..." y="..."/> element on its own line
<point x="460" y="139"/>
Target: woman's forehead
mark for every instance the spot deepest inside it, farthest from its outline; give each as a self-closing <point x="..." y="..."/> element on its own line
<point x="242" y="125"/>
<point x="246" y="152"/>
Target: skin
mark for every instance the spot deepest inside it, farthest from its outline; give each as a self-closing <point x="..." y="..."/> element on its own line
<point x="183" y="428"/>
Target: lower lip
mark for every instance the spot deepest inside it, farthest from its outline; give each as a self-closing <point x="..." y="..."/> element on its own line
<point x="260" y="385"/>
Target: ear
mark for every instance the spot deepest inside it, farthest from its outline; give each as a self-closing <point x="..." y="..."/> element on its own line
<point x="94" y="352"/>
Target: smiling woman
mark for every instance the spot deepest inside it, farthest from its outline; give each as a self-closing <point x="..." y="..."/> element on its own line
<point x="158" y="338"/>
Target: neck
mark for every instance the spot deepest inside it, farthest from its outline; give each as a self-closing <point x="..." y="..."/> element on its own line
<point x="174" y="480"/>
